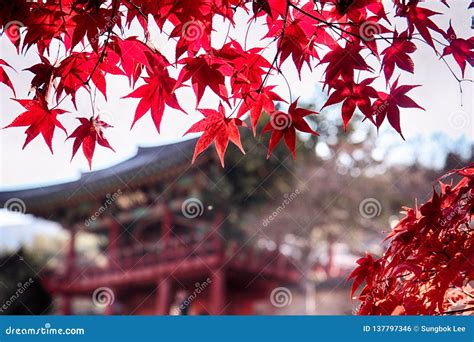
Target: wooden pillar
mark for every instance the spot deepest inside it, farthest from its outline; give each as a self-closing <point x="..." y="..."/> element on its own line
<point x="165" y="233"/>
<point x="216" y="238"/>
<point x="65" y="305"/>
<point x="330" y="256"/>
<point x="71" y="254"/>
<point x="166" y="225"/>
<point x="281" y="259"/>
<point x="164" y="297"/>
<point x="66" y="298"/>
<point x="218" y="292"/>
<point x="109" y="309"/>
<point x="113" y="249"/>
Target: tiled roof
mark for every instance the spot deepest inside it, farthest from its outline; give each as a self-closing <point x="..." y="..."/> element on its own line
<point x="149" y="162"/>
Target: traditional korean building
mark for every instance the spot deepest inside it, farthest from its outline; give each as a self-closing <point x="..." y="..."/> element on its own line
<point x="163" y="240"/>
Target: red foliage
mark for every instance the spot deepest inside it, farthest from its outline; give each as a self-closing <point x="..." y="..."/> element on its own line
<point x="430" y="260"/>
<point x="88" y="134"/>
<point x="284" y="125"/>
<point x="39" y="119"/>
<point x="82" y="43"/>
<point x="216" y="127"/>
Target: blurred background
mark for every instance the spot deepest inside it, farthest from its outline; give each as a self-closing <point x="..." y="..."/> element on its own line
<point x="147" y="232"/>
<point x="154" y="234"/>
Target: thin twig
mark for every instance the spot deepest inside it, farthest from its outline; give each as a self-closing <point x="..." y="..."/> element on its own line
<point x="104" y="49"/>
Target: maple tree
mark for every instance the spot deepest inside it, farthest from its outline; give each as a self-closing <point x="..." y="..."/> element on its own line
<point x="428" y="265"/>
<point x="355" y="46"/>
<point x="82" y="43"/>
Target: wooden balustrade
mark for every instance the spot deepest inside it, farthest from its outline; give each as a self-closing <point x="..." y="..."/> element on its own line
<point x="176" y="250"/>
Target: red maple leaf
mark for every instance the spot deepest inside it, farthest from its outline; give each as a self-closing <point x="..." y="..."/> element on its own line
<point x="354" y="95"/>
<point x="284" y="125"/>
<point x="248" y="67"/>
<point x="364" y="272"/>
<point x="342" y="61"/>
<point x="419" y="18"/>
<point x="4" y="77"/>
<point x="257" y="102"/>
<point x="79" y="67"/>
<point x="354" y="10"/>
<point x="417" y="272"/>
<point x="157" y="91"/>
<point x="461" y="49"/>
<point x="387" y="105"/>
<point x="44" y="74"/>
<point x="218" y="129"/>
<point x="272" y="8"/>
<point x="193" y="35"/>
<point x="46" y="23"/>
<point x="132" y="54"/>
<point x="397" y="55"/>
<point x="206" y="71"/>
<point x="88" y="134"/>
<point x="39" y="118"/>
<point x="295" y="41"/>
<point x="91" y="23"/>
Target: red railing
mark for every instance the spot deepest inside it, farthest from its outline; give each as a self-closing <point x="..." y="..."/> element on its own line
<point x="177" y="251"/>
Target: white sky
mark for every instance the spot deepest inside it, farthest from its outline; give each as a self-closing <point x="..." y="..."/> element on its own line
<point x="20" y="230"/>
<point x="36" y="166"/>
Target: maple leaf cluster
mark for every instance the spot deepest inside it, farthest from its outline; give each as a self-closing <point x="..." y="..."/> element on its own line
<point x="82" y="43"/>
<point x="428" y="266"/>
